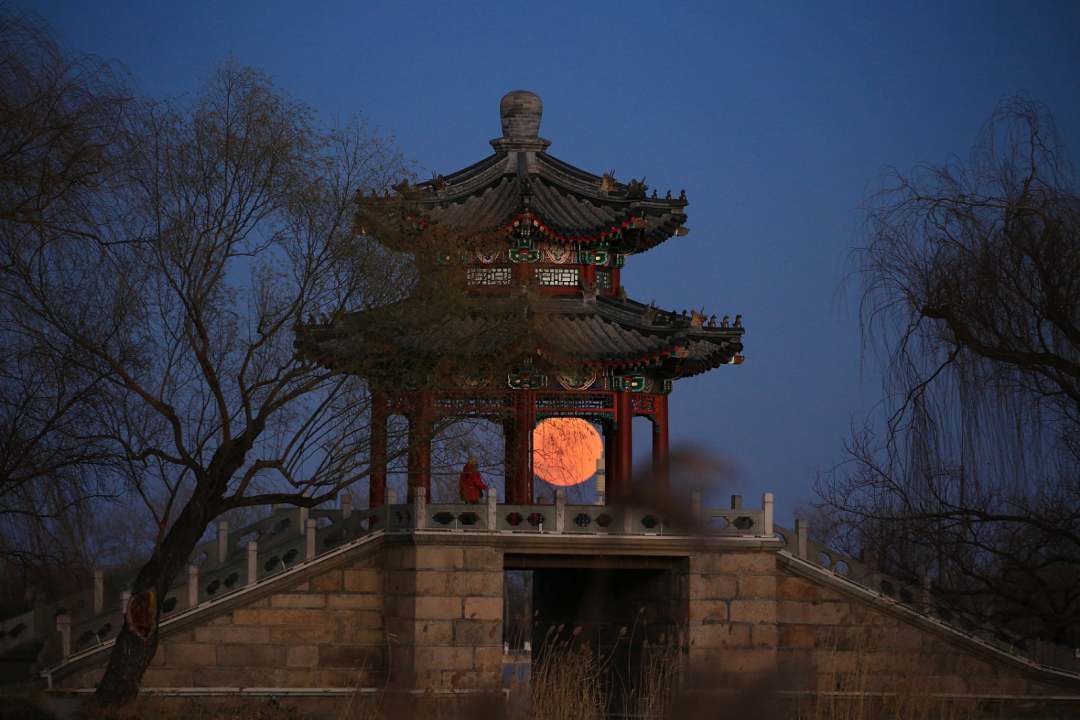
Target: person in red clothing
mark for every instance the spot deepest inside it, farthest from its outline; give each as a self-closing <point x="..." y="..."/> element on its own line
<point x="470" y="483"/>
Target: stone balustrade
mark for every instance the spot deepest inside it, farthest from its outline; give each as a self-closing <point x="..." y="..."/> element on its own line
<point x="292" y="536"/>
<point x="238" y="558"/>
<point x="916" y="596"/>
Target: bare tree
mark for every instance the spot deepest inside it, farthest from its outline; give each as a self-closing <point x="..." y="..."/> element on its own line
<point x="972" y="290"/>
<point x="169" y="286"/>
<point x="60" y="118"/>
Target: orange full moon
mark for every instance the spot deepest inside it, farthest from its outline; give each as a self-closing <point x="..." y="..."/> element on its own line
<point x="565" y="450"/>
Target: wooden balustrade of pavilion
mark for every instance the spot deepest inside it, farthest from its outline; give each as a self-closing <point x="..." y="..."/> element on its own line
<point x="536" y="323"/>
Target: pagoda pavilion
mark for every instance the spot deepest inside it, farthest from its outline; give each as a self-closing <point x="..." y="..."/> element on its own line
<point x="531" y="249"/>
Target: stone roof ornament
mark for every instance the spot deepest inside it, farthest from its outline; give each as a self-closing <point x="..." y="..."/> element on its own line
<point x="608" y="183"/>
<point x="636" y="189"/>
<point x="520" y="112"/>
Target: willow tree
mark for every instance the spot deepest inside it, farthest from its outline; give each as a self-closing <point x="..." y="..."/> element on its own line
<point x="972" y="293"/>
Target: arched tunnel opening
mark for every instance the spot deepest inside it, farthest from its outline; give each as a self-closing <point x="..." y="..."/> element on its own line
<point x="626" y="614"/>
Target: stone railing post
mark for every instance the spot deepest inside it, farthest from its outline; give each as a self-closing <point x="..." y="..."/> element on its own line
<point x="125" y="598"/>
<point x="695" y="509"/>
<point x="601" y="480"/>
<point x="99" y="592"/>
<point x="309" y="539"/>
<point x="927" y="600"/>
<point x="802" y="539"/>
<point x="192" y="586"/>
<point x="736" y="502"/>
<point x="560" y="510"/>
<point x="767" y="514"/>
<point x="388" y="514"/>
<point x="303" y="517"/>
<point x="346" y="506"/>
<point x="253" y="562"/>
<point x="420" y="508"/>
<point x="222" y="541"/>
<point x="63" y="626"/>
<point x="492" y="511"/>
<point x="628" y="519"/>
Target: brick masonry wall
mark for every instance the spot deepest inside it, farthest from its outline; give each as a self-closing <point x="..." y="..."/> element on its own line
<point x="326" y="631"/>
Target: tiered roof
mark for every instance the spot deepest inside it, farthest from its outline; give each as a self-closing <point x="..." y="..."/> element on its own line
<point x="577" y="328"/>
<point x="560" y="331"/>
<point x="521" y="182"/>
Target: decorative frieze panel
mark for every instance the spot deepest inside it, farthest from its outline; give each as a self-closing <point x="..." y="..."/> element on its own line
<point x="526" y="379"/>
<point x="488" y="257"/>
<point x="482" y="405"/>
<point x="525" y="255"/>
<point x="558" y="276"/>
<point x="487" y="276"/>
<point x="580" y="380"/>
<point x="594" y="257"/>
<point x="558" y="254"/>
<point x="573" y="402"/>
<point x="631" y="383"/>
<point x="644" y="404"/>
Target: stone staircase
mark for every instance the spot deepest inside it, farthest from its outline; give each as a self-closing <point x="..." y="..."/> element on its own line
<point x="269" y="549"/>
<point x="239" y="561"/>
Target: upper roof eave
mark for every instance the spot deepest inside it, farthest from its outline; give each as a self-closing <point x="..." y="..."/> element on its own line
<point x="462" y="184"/>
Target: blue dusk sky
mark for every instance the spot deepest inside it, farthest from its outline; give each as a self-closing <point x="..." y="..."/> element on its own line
<point x="776" y="118"/>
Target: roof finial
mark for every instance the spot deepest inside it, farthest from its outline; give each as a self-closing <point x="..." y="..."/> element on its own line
<point x="520" y="112"/>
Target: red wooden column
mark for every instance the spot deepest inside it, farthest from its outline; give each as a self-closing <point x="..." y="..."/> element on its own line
<point x="519" y="482"/>
<point x="377" y="449"/>
<point x="624" y="448"/>
<point x="509" y="459"/>
<point x="588" y="275"/>
<point x="420" y="421"/>
<point x="611" y="460"/>
<point x="660" y="463"/>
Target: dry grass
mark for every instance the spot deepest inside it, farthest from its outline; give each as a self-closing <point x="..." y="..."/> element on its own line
<point x="856" y="692"/>
<point x="190" y="709"/>
<point x="566" y="680"/>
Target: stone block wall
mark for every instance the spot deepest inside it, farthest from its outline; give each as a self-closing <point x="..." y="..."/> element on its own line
<point x="752" y="620"/>
<point x="731" y="615"/>
<point x="326" y="631"/>
<point x="830" y="641"/>
<point x="444" y="610"/>
<point x="425" y="611"/>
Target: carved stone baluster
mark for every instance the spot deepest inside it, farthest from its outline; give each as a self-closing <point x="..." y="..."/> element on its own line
<point x="767" y="514"/>
<point x="223" y="541"/>
<point x="99" y="592"/>
<point x="253" y="562"/>
<point x="63" y="626"/>
<point x="192" y="586"/>
<point x="309" y="539"/>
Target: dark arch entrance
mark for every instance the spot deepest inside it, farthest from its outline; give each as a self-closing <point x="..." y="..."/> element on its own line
<point x="627" y="610"/>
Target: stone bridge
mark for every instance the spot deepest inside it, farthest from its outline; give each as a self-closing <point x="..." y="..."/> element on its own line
<point x="411" y="597"/>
